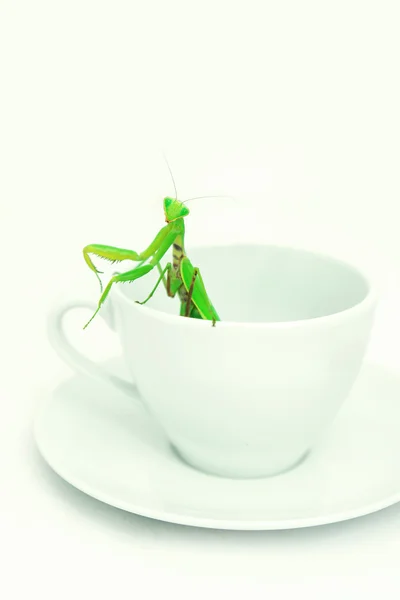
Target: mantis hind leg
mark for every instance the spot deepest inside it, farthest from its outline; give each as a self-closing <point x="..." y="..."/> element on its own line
<point x="159" y="280"/>
<point x="171" y="284"/>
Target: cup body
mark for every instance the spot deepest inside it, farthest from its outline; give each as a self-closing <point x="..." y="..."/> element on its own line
<point x="251" y="396"/>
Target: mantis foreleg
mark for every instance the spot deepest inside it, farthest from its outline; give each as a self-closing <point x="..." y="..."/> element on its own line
<point x="114" y="254"/>
<point x="161" y="243"/>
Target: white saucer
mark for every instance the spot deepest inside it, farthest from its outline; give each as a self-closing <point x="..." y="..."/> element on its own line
<point x="101" y="443"/>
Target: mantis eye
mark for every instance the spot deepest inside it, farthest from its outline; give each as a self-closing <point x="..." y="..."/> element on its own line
<point x="184" y="211"/>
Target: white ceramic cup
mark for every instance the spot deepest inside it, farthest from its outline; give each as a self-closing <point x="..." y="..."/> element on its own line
<point x="251" y="396"/>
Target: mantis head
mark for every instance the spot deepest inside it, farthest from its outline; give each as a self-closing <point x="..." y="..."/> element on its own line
<point x="173" y="209"/>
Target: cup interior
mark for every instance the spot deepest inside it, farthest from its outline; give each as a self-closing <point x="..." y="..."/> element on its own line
<point x="256" y="283"/>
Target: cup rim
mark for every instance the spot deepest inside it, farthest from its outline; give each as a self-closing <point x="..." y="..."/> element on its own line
<point x="367" y="303"/>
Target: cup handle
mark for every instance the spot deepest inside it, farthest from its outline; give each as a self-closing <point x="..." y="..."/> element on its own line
<point x="74" y="358"/>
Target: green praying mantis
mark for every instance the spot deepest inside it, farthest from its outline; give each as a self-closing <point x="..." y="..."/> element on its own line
<point x="179" y="277"/>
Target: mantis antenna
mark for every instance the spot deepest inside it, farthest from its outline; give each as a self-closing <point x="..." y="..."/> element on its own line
<point x="189" y="199"/>
<point x="198" y="197"/>
<point x="172" y="177"/>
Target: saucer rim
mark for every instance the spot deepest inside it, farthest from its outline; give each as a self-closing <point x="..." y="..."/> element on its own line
<point x="226" y="524"/>
<point x="199" y="521"/>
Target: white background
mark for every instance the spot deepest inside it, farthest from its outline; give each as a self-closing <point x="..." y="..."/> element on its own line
<point x="290" y="107"/>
